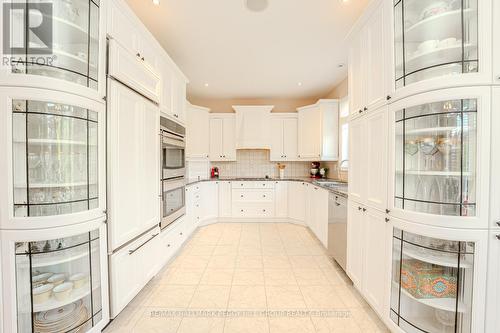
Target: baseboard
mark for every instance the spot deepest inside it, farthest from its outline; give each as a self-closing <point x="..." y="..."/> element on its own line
<point x="214" y="220"/>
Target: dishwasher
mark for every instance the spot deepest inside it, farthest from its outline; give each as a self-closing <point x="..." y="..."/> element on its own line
<point x="337" y="228"/>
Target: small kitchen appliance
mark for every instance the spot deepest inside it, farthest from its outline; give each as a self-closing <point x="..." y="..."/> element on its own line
<point x="315" y="170"/>
<point x="214" y="172"/>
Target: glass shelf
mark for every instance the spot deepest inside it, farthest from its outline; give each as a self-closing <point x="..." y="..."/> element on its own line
<point x="58" y="284"/>
<point x="55" y="154"/>
<point x="75" y="43"/>
<point x="432" y="282"/>
<point x="435" y="171"/>
<point x="434" y="38"/>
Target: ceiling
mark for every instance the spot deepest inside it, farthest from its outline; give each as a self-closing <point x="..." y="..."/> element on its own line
<point x="290" y="50"/>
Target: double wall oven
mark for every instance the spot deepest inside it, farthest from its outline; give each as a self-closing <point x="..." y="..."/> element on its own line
<point x="173" y="170"/>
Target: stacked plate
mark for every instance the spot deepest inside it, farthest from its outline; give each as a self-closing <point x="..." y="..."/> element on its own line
<point x="61" y="319"/>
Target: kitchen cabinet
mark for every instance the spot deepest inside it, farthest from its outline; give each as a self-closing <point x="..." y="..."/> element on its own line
<point x="368" y="69"/>
<point x="222" y="137"/>
<point x="440" y="159"/>
<point x="133" y="189"/>
<point x="71" y="57"/>
<point x="197" y="132"/>
<point x="252" y="126"/>
<point x="253" y="199"/>
<point x="129" y="69"/>
<point x="368" y="155"/>
<point x="53" y="171"/>
<point x="297" y="201"/>
<point x="441" y="47"/>
<point x="225" y="199"/>
<point x="493" y="296"/>
<point x="318" y="213"/>
<point x="495" y="162"/>
<point x="318" y="131"/>
<point x="284" y="137"/>
<point x="458" y="262"/>
<point x="179" y="98"/>
<point x="194" y="209"/>
<point x="355" y="243"/>
<point x="210" y="200"/>
<point x="281" y="199"/>
<point x="496" y="42"/>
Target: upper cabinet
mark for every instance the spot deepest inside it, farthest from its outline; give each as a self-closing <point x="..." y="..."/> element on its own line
<point x="284" y="140"/>
<point x="441" y="157"/>
<point x="438" y="44"/>
<point x="368" y="62"/>
<point x="318" y="131"/>
<point x="66" y="52"/>
<point x="222" y="137"/>
<point x="252" y="126"/>
<point x="197" y="132"/>
<point x="496" y="42"/>
<point x="53" y="172"/>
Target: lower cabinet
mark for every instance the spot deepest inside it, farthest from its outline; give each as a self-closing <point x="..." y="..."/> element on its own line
<point x="225" y="199"/>
<point x="493" y="287"/>
<point x="281" y="199"/>
<point x="210" y="200"/>
<point x="367" y="237"/>
<point x="253" y="199"/>
<point x="297" y="201"/>
<point x="318" y="213"/>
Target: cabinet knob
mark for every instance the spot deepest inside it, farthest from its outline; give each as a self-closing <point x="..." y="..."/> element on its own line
<point x="388" y="97"/>
<point x="263" y="195"/>
<point x="241" y="210"/>
<point x="263" y="210"/>
<point x="387" y="219"/>
<point x="364" y="209"/>
<point x="138" y="55"/>
<point x="360" y="111"/>
<point x="365" y="109"/>
<point x="180" y="234"/>
<point x="359" y="208"/>
<point x="497" y="236"/>
<point x="387" y="211"/>
<point x="168" y="245"/>
<point x="498" y="223"/>
<point x="241" y="196"/>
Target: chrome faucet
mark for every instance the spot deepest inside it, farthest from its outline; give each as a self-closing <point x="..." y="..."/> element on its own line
<point x="339" y="169"/>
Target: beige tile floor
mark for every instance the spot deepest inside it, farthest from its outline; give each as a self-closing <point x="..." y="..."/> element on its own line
<point x="268" y="277"/>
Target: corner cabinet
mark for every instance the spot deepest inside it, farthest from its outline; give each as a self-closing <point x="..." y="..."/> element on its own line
<point x="53" y="173"/>
<point x="60" y="283"/>
<point x="222" y="137"/>
<point x="70" y="58"/>
<point x="440" y="147"/>
<point x="440" y="44"/>
<point x="438" y="279"/>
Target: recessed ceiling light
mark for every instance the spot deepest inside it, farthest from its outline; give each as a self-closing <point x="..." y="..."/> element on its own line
<point x="156" y="2"/>
<point x="299" y="84"/>
<point x="344" y="1"/>
<point x="256" y="5"/>
<point x="206" y="84"/>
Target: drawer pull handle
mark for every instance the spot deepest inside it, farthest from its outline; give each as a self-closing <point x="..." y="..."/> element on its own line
<point x="263" y="210"/>
<point x="359" y="208"/>
<point x="241" y="196"/>
<point x="180" y="234"/>
<point x="168" y="245"/>
<point x="387" y="219"/>
<point x="497" y="236"/>
<point x="364" y="209"/>
<point x="263" y="195"/>
<point x="498" y="223"/>
<point x="387" y="211"/>
<point x="137" y="248"/>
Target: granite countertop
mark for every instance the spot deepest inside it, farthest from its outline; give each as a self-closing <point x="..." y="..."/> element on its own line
<point x="334" y="186"/>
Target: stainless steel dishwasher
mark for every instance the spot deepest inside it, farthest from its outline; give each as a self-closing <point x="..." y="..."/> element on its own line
<point x="337" y="228"/>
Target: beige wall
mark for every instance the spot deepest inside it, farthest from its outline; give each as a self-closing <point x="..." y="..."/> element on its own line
<point x="341" y="90"/>
<point x="224" y="105"/>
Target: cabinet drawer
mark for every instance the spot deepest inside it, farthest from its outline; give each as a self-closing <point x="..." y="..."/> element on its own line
<point x="253" y="184"/>
<point x="252" y="195"/>
<point x="253" y="209"/>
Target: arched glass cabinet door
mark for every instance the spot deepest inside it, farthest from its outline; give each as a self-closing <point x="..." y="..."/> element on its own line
<point x="440" y="156"/>
<point x="434" y="38"/>
<point x="65" y="46"/>
<point x="55" y="166"/>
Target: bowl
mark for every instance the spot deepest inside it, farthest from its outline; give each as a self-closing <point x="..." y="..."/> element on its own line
<point x="41" y="278"/>
<point x="56" y="279"/>
<point x="435" y="8"/>
<point x="42" y="293"/>
<point x="62" y="291"/>
<point x="78" y="280"/>
<point x="428" y="45"/>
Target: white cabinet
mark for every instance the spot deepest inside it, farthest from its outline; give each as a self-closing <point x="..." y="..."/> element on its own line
<point x="173" y="91"/>
<point x="209" y="200"/>
<point x="225" y="198"/>
<point x="355" y="243"/>
<point x="284" y="137"/>
<point x="318" y="213"/>
<point x="297" y="201"/>
<point x="495" y="160"/>
<point x="130" y="268"/>
<point x="253" y="199"/>
<point x="375" y="263"/>
<point x="121" y="26"/>
<point x="493" y="288"/>
<point x="318" y="131"/>
<point x="368" y="62"/>
<point x="197" y="132"/>
<point x="131" y="70"/>
<point x="252" y="126"/>
<point x="179" y="98"/>
<point x="281" y="199"/>
<point x="222" y="137"/>
<point x="496" y="42"/>
<point x="133" y="146"/>
<point x="368" y="156"/>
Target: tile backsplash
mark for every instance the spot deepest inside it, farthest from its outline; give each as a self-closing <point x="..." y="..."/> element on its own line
<point x="256" y="163"/>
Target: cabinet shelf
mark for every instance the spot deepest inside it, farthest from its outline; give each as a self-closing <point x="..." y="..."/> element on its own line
<point x="52" y="303"/>
<point x="446" y="304"/>
<point x="441" y="260"/>
<point x="53" y="142"/>
<point x="437" y="56"/>
<point x="58" y="258"/>
<point x="435" y="173"/>
<point x="68" y="32"/>
<point x="433" y="130"/>
<point x="53" y="185"/>
<point x="440" y="26"/>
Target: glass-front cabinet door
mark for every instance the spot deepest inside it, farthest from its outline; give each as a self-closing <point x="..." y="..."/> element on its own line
<point x="58" y="282"/>
<point x="438" y="146"/>
<point x="433" y="284"/>
<point x="57" y="159"/>
<point x="65" y="44"/>
<point x="436" y="38"/>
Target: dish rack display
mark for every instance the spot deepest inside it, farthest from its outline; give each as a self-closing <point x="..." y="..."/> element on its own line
<point x="58" y="284"/>
<point x="432" y="282"/>
<point x="73" y="52"/>
<point x="434" y="38"/>
<point x="55" y="158"/>
<point x="435" y="156"/>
